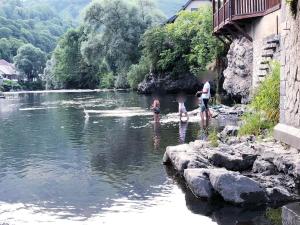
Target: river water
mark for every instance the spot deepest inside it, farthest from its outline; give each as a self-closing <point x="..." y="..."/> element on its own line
<point x="96" y="158"/>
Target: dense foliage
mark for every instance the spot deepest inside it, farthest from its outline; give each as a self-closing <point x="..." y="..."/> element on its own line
<point x="30" y="61"/>
<point x="265" y="105"/>
<point x="21" y="22"/>
<point x="186" y="46"/>
<point x="102" y="50"/>
<point x="293" y="6"/>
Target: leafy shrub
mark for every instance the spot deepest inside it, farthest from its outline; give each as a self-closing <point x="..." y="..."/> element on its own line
<point x="253" y="124"/>
<point x="137" y="73"/>
<point x="107" y="80"/>
<point x="11" y="85"/>
<point x="267" y="98"/>
<point x="121" y="81"/>
<point x="264" y="108"/>
<point x="293" y="6"/>
<point x="32" y="86"/>
<point x="275" y="216"/>
<point x="213" y="138"/>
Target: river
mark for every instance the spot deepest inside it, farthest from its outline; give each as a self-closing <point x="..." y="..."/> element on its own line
<point x="60" y="166"/>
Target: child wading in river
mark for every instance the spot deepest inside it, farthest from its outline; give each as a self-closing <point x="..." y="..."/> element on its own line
<point x="156" y="109"/>
<point x="181" y="109"/>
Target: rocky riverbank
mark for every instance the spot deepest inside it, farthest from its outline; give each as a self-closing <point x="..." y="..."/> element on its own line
<point x="242" y="170"/>
<point x="168" y="84"/>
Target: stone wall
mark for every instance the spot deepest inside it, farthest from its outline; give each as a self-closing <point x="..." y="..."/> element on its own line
<point x="238" y="74"/>
<point x="288" y="130"/>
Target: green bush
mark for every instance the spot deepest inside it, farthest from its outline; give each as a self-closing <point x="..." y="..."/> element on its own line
<point x="275" y="216"/>
<point x="254" y="123"/>
<point x="213" y="138"/>
<point x="11" y="85"/>
<point x="32" y="86"/>
<point x="267" y="97"/>
<point x="293" y="6"/>
<point x="121" y="81"/>
<point x="137" y="73"/>
<point x="107" y="80"/>
<point x="264" y="108"/>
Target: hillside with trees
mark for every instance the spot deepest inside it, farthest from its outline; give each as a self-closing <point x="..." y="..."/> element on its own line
<point x="119" y="43"/>
<point x="22" y="23"/>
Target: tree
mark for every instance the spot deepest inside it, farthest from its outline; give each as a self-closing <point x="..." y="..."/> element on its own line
<point x="184" y="47"/>
<point x="114" y="31"/>
<point x="30" y="60"/>
<point x="70" y="70"/>
<point x="9" y="47"/>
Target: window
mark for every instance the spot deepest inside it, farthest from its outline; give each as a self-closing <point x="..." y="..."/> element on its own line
<point x="194" y="9"/>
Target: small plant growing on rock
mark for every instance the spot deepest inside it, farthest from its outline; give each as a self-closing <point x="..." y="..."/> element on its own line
<point x="213" y="138"/>
<point x="293" y="6"/>
<point x="264" y="108"/>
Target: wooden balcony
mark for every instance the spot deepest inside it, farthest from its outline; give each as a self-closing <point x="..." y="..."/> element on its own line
<point x="234" y="10"/>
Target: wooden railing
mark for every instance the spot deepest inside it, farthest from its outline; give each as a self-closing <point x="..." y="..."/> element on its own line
<point x="241" y="9"/>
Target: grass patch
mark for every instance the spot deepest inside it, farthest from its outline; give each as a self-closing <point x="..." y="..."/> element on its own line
<point x="254" y="124"/>
<point x="213" y="138"/>
<point x="293" y="6"/>
<point x="274" y="215"/>
<point x="264" y="108"/>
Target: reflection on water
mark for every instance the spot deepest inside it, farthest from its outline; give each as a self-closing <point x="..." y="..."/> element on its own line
<point x="59" y="165"/>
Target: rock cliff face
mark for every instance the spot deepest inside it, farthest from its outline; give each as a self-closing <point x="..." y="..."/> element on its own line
<point x="238" y="74"/>
<point x="167" y="84"/>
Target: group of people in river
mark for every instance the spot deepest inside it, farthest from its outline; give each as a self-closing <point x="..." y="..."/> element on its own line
<point x="203" y="97"/>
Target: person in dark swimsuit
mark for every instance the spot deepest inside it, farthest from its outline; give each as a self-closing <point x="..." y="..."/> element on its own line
<point x="156" y="109"/>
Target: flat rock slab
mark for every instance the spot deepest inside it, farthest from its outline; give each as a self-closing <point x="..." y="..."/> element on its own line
<point x="183" y="157"/>
<point x="291" y="214"/>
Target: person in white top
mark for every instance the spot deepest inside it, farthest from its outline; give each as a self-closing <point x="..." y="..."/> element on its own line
<point x="181" y="109"/>
<point x="205" y="98"/>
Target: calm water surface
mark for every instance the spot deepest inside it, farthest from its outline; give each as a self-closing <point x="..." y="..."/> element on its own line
<point x="59" y="167"/>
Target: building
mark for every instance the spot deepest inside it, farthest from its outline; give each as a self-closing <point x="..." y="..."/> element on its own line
<point x="8" y="70"/>
<point x="259" y="31"/>
<point x="288" y="130"/>
<point x="191" y="6"/>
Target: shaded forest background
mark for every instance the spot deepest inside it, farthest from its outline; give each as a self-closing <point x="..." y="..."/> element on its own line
<point x="102" y="44"/>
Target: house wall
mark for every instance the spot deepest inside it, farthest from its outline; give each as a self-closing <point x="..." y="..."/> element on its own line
<point x="288" y="130"/>
<point x="262" y="30"/>
<point x="197" y="4"/>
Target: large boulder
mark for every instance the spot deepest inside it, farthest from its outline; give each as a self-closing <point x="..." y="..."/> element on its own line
<point x="167" y="84"/>
<point x="232" y="162"/>
<point x="236" y="188"/>
<point x="183" y="157"/>
<point x="198" y="181"/>
<point x="238" y="74"/>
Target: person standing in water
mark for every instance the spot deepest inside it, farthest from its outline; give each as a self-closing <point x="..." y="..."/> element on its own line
<point x="156" y="109"/>
<point x="205" y="96"/>
<point x="181" y="109"/>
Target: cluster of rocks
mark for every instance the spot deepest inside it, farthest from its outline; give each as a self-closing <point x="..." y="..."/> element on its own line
<point x="167" y="84"/>
<point x="240" y="170"/>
